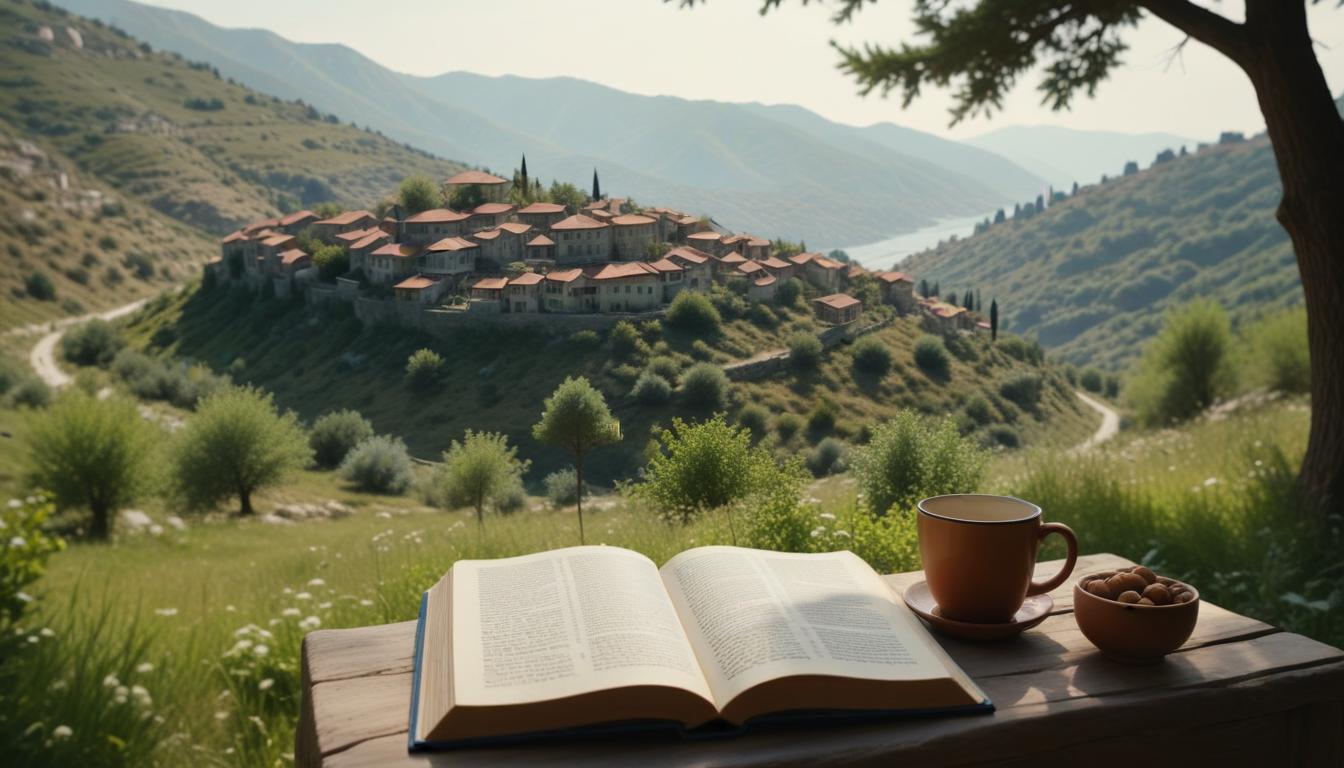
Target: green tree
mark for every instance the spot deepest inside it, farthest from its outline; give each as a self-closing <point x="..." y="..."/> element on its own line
<point x="476" y="470"/>
<point x="693" y="311"/>
<point x="705" y="386"/>
<point x="418" y="193"/>
<point x="804" y="351"/>
<point x="993" y="319"/>
<point x="1187" y="367"/>
<point x="576" y="418"/>
<point x="909" y="458"/>
<point x="335" y="434"/>
<point x="1278" y="356"/>
<point x="92" y="453"/>
<point x="466" y="198"/>
<point x="332" y="260"/>
<point x="424" y="368"/>
<point x="789" y="292"/>
<point x="568" y="195"/>
<point x="94" y="342"/>
<point x="236" y="444"/>
<point x="597" y="188"/>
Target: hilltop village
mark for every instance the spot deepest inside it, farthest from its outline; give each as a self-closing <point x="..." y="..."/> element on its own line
<point x="501" y="259"/>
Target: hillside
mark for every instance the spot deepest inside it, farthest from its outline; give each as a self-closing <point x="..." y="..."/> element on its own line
<point x="177" y="137"/>
<point x="1065" y="155"/>
<point x="315" y="361"/>
<point x="756" y="169"/>
<point x="1091" y="276"/>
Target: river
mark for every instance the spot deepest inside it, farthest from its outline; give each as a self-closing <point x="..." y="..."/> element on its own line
<point x="886" y="254"/>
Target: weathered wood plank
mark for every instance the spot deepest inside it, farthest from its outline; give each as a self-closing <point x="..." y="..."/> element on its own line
<point x="1064" y="733"/>
<point x="337" y="654"/>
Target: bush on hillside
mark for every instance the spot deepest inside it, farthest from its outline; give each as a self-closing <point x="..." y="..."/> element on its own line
<point x="1091" y="380"/>
<point x="693" y="311"/>
<point x="1003" y="435"/>
<point x="379" y="464"/>
<point x="730" y="305"/>
<point x="701" y="351"/>
<point x="151" y="378"/>
<point x="827" y="457"/>
<point x="979" y="410"/>
<point x="424" y="368"/>
<point x="1021" y="349"/>
<point x="761" y="315"/>
<point x="335" y="434"/>
<point x="787" y="426"/>
<point x="931" y="356"/>
<point x="562" y="487"/>
<point x="1022" y="388"/>
<point x="587" y="339"/>
<point x="666" y="367"/>
<point x="39" y="286"/>
<point x="624" y="339"/>
<point x="652" y="389"/>
<point x="30" y="393"/>
<point x="704" y="386"/>
<point x="1186" y="368"/>
<point x="910" y="458"/>
<point x="804" y="351"/>
<point x="821" y="419"/>
<point x="1278" y="356"/>
<point x="418" y="193"/>
<point x="94" y="342"/>
<point x="331" y="260"/>
<point x="755" y="419"/>
<point x="871" y="356"/>
<point x="789" y="292"/>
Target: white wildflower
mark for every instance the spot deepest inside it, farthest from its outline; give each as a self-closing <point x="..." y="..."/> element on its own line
<point x="826" y="516"/>
<point x="324" y="605"/>
<point x="144" y="667"/>
<point x="230" y="608"/>
<point x="141" y="695"/>
<point x="62" y="732"/>
<point x="290" y="612"/>
<point x="111" y="681"/>
<point x="34" y="639"/>
<point x="1210" y="482"/>
<point x="842" y="534"/>
<point x="46" y="632"/>
<point x="165" y="611"/>
<point x="287" y="591"/>
<point x="366" y="602"/>
<point x="156" y="530"/>
<point x="221" y="715"/>
<point x="261" y="649"/>
<point x="265" y="685"/>
<point x="303" y="596"/>
<point x="15" y="503"/>
<point x="316" y="583"/>
<point x="23" y="597"/>
<point x="18" y="542"/>
<point x="310" y="623"/>
<point x="57" y="685"/>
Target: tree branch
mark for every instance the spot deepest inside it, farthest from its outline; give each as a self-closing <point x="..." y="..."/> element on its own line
<point x="1215" y="31"/>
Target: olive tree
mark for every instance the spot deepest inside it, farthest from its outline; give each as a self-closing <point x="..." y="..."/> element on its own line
<point x="92" y="453"/>
<point x="476" y="470"/>
<point x="236" y="444"/>
<point x="576" y="418"/>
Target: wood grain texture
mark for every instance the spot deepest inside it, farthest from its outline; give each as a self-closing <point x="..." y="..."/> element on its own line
<point x="1237" y="689"/>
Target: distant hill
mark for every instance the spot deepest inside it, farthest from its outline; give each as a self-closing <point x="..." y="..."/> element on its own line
<point x="1091" y="276"/>
<point x="773" y="171"/>
<point x="159" y="157"/>
<point x="1065" y="155"/>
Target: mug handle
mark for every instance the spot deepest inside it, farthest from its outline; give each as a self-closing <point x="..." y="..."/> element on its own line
<point x="1038" y="587"/>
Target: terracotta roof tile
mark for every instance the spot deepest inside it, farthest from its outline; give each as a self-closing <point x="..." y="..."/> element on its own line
<point x="528" y="278"/>
<point x="620" y="270"/>
<point x="631" y="220"/>
<point x="349" y="217"/>
<point x="491" y="209"/>
<point x="578" y="221"/>
<point x="296" y="217"/>
<point x="540" y="241"/>
<point x="292" y="256"/>
<point x="397" y="250"/>
<point x="486" y="234"/>
<point x="708" y="237"/>
<point x="838" y="300"/>
<point x="437" y="216"/>
<point x="491" y="283"/>
<point x="475" y="177"/>
<point x="732" y="257"/>
<point x="543" y="208"/>
<point x="368" y="240"/>
<point x="565" y="275"/>
<point x="688" y="254"/>
<point x="666" y="265"/>
<point x="419" y="281"/>
<point x="452" y="244"/>
<point x="761" y="282"/>
<point x="515" y="227"/>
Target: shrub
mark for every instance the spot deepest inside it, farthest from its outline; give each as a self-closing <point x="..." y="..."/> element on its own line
<point x="379" y="464"/>
<point x="931" y="356"/>
<point x="419" y="193"/>
<point x="425" y="367"/>
<point x="1112" y="386"/>
<point x="704" y="385"/>
<point x="1279" y="358"/>
<point x="665" y="367"/>
<point x="701" y="351"/>
<point x="693" y="311"/>
<point x="821" y="418"/>
<point x="92" y="453"/>
<point x="787" y="426"/>
<point x="652" y="389"/>
<point x="1004" y="435"/>
<point x="827" y="457"/>
<point x="789" y="292"/>
<point x="705" y="466"/>
<point x="1021" y="349"/>
<point x="761" y="315"/>
<point x="755" y="419"/>
<point x="236" y="444"/>
<point x="1091" y="380"/>
<point x="562" y="487"/>
<point x="28" y="547"/>
<point x="91" y="343"/>
<point x="513" y="498"/>
<point x="586" y="339"/>
<point x="872" y="356"/>
<point x="624" y="339"/>
<point x="979" y="410"/>
<point x="909" y="458"/>
<point x="32" y="392"/>
<point x="39" y="286"/>
<point x="331" y="260"/>
<point x="1186" y="368"/>
<point x="477" y="470"/>
<point x="576" y="417"/>
<point x="335" y="434"/>
<point x="150" y="378"/>
<point x="1022" y="388"/>
<point x="804" y="351"/>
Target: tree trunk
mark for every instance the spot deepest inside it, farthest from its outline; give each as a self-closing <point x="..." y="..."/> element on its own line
<point x="101" y="527"/>
<point x="578" y="485"/>
<point x="1308" y="137"/>
<point x="245" y="502"/>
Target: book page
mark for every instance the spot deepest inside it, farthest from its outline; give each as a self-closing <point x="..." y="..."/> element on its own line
<point x="753" y="616"/>
<point x="562" y="623"/>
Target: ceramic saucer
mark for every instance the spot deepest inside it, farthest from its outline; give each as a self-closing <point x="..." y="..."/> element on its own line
<point x="1034" y="610"/>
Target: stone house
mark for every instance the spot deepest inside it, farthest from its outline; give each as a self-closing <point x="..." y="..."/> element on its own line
<point x="672" y="276"/>
<point x="540" y="251"/>
<point x="294" y="223"/>
<point x="699" y="266"/>
<point x="763" y="288"/>
<point x="898" y="289"/>
<point x="820" y="271"/>
<point x="391" y="263"/>
<point x="750" y="246"/>
<point x="419" y="289"/>
<point x="489" y="288"/>
<point x="492" y="246"/>
<point x="542" y="215"/>
<point x="513" y="237"/>
<point x="523" y="293"/>
<point x="287" y="262"/>
<point x="631" y="236"/>
<point x="432" y="225"/>
<point x="838" y="308"/>
<point x="327" y="229"/>
<point x="493" y="188"/>
<point x="451" y="256"/>
<point x="709" y="241"/>
<point x="264" y="253"/>
<point x="489" y="216"/>
<point x="569" y="290"/>
<point x="360" y="249"/>
<point x="778" y="267"/>
<point x="581" y="239"/>
<point x="726" y="266"/>
<point x="627" y="287"/>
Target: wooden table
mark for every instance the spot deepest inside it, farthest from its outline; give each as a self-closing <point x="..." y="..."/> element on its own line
<point x="1239" y="692"/>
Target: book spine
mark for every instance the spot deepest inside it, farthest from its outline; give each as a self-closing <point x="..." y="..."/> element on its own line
<point x="412" y="744"/>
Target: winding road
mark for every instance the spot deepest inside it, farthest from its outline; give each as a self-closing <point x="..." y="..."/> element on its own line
<point x="1110" y="423"/>
<point x="43" y="357"/>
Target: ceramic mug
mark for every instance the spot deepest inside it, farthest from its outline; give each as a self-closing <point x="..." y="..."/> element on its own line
<point x="979" y="554"/>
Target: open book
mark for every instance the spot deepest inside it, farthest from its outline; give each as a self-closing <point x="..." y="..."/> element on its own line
<point x="600" y="637"/>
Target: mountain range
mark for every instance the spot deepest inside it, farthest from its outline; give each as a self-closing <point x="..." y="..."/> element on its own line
<point x="1063" y="156"/>
<point x="779" y="171"/>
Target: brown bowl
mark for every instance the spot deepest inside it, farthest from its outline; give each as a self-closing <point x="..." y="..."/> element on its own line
<point x="1134" y="634"/>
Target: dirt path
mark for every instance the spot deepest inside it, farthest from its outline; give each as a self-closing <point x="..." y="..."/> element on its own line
<point x="1110" y="424"/>
<point x="43" y="356"/>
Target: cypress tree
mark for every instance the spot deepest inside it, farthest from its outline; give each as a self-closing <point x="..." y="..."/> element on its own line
<point x="999" y="216"/>
<point x="524" y="186"/>
<point x="597" y="189"/>
<point x="1075" y="189"/>
<point x="1040" y="203"/>
<point x="993" y="319"/>
<point x="978" y="306"/>
<point x="935" y="289"/>
<point x="923" y="286"/>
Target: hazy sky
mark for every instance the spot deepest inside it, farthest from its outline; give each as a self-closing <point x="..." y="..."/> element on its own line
<point x="726" y="51"/>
